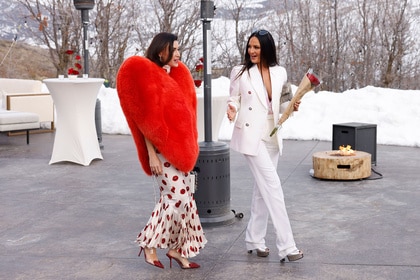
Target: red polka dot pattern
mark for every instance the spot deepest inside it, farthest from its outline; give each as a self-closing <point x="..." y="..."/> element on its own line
<point x="174" y="222"/>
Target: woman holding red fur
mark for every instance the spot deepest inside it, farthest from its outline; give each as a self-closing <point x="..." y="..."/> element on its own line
<point x="158" y="98"/>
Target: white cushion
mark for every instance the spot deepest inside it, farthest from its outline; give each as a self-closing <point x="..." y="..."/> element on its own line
<point x="20" y="85"/>
<point x="12" y="120"/>
<point x="13" y="117"/>
<point x="19" y="126"/>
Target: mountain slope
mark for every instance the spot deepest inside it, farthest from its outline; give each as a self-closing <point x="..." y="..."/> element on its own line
<point x="20" y="60"/>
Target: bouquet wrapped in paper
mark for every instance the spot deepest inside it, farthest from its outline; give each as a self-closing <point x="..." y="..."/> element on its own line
<point x="308" y="83"/>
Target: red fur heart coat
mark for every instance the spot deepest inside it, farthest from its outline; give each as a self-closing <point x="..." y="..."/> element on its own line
<point x="161" y="107"/>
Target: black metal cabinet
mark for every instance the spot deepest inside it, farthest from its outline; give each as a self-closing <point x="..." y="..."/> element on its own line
<point x="360" y="136"/>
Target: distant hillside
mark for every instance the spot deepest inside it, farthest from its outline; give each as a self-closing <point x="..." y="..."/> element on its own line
<point x="24" y="61"/>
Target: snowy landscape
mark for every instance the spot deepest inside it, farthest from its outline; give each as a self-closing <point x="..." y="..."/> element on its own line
<point x="395" y="112"/>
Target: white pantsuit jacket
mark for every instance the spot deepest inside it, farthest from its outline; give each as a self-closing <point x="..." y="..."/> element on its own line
<point x="248" y="95"/>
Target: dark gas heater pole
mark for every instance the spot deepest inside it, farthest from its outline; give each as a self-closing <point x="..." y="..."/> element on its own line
<point x="84" y="6"/>
<point x="213" y="163"/>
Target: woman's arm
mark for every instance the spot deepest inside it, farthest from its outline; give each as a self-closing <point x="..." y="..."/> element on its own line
<point x="154" y="161"/>
<point x="286" y="96"/>
<point x="235" y="96"/>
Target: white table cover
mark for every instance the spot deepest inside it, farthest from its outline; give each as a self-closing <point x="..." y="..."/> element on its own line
<point x="75" y="137"/>
<point x="218" y="111"/>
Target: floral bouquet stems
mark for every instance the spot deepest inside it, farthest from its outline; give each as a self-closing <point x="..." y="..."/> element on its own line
<point x="308" y="83"/>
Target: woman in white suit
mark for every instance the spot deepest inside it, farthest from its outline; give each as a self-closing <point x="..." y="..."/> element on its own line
<point x="255" y="93"/>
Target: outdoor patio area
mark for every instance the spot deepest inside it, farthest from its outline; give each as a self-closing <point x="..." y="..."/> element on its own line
<point x="68" y="221"/>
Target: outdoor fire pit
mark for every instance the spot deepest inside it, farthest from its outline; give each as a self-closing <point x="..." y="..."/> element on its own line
<point x="343" y="164"/>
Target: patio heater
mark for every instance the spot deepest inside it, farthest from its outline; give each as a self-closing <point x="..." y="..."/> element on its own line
<point x="213" y="163"/>
<point x="84" y="6"/>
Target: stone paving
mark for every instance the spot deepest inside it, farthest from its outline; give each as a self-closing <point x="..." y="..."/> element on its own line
<point x="66" y="221"/>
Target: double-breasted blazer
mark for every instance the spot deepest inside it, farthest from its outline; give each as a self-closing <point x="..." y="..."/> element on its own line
<point x="248" y="95"/>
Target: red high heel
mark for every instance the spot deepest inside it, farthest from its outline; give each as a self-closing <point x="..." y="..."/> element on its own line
<point x="154" y="263"/>
<point x="189" y="266"/>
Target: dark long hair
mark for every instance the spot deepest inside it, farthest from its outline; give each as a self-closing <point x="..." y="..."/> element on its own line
<point x="268" y="55"/>
<point x="159" y="43"/>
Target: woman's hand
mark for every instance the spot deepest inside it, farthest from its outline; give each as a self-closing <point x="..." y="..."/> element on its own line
<point x="231" y="112"/>
<point x="296" y="105"/>
<point x="155" y="164"/>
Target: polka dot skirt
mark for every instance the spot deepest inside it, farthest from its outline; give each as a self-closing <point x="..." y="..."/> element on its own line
<point x="174" y="222"/>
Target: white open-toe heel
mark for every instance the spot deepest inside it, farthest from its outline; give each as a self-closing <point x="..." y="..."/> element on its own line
<point x="294" y="256"/>
<point x="261" y="252"/>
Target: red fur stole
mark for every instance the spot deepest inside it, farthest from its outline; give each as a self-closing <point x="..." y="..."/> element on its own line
<point x="162" y="108"/>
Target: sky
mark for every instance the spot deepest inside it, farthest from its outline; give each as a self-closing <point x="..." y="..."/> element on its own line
<point x="395" y="112"/>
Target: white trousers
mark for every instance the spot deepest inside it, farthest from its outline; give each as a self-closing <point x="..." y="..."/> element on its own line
<point x="268" y="200"/>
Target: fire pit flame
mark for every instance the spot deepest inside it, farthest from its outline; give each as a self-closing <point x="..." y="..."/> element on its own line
<point x="346" y="151"/>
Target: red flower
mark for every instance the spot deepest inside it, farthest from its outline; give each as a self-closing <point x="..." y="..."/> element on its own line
<point x="313" y="79"/>
<point x="76" y="66"/>
<point x="198" y="73"/>
<point x="199" y="67"/>
<point x="197" y="83"/>
<point x="73" y="71"/>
